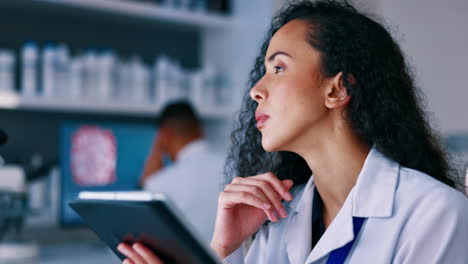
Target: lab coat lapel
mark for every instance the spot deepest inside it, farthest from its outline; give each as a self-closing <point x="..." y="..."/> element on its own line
<point x="371" y="197"/>
<point x="298" y="238"/>
<point x="375" y="189"/>
<point x="338" y="234"/>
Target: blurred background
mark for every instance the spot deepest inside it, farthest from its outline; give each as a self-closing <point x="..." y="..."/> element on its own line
<point x="114" y="64"/>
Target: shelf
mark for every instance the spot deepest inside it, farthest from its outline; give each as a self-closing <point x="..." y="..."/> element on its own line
<point x="98" y="107"/>
<point x="143" y="10"/>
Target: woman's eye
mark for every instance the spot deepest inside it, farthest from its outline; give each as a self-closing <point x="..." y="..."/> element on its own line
<point x="278" y="69"/>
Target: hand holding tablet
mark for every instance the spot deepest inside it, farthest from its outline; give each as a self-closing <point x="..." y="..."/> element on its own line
<point x="147" y="222"/>
<point x="138" y="254"/>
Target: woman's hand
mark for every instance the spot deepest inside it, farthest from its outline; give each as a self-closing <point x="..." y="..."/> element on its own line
<point x="138" y="254"/>
<point x="244" y="206"/>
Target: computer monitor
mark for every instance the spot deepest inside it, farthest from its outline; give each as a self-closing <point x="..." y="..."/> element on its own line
<point x="100" y="156"/>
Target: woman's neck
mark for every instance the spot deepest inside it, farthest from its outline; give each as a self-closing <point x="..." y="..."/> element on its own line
<point x="336" y="165"/>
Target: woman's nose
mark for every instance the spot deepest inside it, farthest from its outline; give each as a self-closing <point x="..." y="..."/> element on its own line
<point x="257" y="93"/>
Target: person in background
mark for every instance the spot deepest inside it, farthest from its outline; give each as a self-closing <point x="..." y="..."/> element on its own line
<point x="194" y="176"/>
<point x="334" y="160"/>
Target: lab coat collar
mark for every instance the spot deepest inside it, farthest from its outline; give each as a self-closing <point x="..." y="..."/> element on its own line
<point x="298" y="240"/>
<point x="296" y="205"/>
<point x="372" y="196"/>
<point x="374" y="192"/>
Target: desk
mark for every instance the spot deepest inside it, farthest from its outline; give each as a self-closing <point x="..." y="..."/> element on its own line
<point x="67" y="246"/>
<point x="79" y="253"/>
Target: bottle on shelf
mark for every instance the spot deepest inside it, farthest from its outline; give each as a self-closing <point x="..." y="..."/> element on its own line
<point x="62" y="72"/>
<point x="222" y="91"/>
<point x="161" y="79"/>
<point x="76" y="78"/>
<point x="7" y="70"/>
<point x="176" y="82"/>
<point x="29" y="69"/>
<point x="122" y="82"/>
<point x="185" y="87"/>
<point x="106" y="66"/>
<point x="208" y="84"/>
<point x="48" y="72"/>
<point x="139" y="80"/>
<point x="196" y="84"/>
<point x="89" y="89"/>
<point x="102" y="76"/>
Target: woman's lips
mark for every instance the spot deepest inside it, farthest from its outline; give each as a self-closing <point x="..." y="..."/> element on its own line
<point x="261" y="119"/>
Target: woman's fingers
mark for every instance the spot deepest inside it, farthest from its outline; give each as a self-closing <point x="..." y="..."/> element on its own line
<point x="232" y="199"/>
<point x="278" y="185"/>
<point x="138" y="254"/>
<point x="268" y="187"/>
<point x="264" y="192"/>
<point x="127" y="261"/>
<point x="255" y="191"/>
<point x="266" y="195"/>
<point x="130" y="253"/>
<point x="281" y="188"/>
<point x="146" y="254"/>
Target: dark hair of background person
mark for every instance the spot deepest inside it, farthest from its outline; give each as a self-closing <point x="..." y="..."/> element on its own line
<point x="385" y="108"/>
<point x="179" y="115"/>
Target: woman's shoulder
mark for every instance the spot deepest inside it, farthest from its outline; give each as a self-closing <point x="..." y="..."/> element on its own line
<point x="420" y="191"/>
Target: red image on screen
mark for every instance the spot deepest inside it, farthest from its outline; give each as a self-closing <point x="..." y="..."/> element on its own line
<point x="94" y="156"/>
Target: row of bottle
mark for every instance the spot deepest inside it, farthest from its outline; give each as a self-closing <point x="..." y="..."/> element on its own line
<point x="212" y="6"/>
<point x="102" y="76"/>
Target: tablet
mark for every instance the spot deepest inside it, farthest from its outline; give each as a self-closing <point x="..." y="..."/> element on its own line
<point x="148" y="218"/>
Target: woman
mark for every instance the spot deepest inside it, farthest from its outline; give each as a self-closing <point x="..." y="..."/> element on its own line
<point x="332" y="97"/>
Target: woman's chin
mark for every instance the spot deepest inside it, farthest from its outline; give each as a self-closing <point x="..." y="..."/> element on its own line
<point x="269" y="146"/>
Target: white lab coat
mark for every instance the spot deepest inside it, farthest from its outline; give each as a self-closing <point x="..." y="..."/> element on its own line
<point x="193" y="183"/>
<point x="412" y="218"/>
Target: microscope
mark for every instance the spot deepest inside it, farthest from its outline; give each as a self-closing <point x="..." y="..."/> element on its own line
<point x="14" y="208"/>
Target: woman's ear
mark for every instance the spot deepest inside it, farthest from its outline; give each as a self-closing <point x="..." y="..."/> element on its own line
<point x="337" y="95"/>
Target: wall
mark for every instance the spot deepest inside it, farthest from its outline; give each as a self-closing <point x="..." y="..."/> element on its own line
<point x="236" y="51"/>
<point x="434" y="36"/>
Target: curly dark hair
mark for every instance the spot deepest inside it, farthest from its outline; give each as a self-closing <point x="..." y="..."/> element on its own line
<point x="385" y="108"/>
